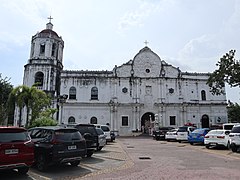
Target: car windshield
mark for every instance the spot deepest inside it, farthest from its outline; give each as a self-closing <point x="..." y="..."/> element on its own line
<point x="215" y="132"/>
<point x="67" y="135"/>
<point x="198" y="131"/>
<point x="14" y="136"/>
<point x="236" y="129"/>
<point x="182" y="129"/>
<point x="105" y="128"/>
<point x="163" y="128"/>
<point x="228" y="127"/>
<point x="99" y="131"/>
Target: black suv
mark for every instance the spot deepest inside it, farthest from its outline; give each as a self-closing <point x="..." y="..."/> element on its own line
<point x="90" y="134"/>
<point x="160" y="132"/>
<point x="57" y="145"/>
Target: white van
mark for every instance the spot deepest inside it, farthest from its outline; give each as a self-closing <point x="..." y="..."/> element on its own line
<point x="229" y="126"/>
<point x="106" y="131"/>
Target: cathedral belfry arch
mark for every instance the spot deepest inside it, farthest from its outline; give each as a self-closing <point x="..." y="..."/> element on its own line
<point x="146" y="121"/>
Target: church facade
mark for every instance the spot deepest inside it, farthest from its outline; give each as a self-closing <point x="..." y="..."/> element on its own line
<point x="130" y="97"/>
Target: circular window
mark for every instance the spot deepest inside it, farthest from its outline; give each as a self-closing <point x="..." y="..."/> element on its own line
<point x="147" y="70"/>
<point x="171" y="90"/>
<point x="124" y="90"/>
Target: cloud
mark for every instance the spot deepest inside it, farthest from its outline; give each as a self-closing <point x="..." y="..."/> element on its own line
<point x="202" y="52"/>
<point x="8" y="38"/>
<point x="137" y="17"/>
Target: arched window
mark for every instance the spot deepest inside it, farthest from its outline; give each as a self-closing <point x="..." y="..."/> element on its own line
<point x="93" y="120"/>
<point x="42" y="49"/>
<point x="94" y="93"/>
<point x="54" y="48"/>
<point x="72" y="93"/>
<point x="203" y="95"/>
<point x="39" y="78"/>
<point x="71" y="120"/>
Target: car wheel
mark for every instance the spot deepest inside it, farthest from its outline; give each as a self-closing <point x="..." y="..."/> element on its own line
<point x="75" y="163"/>
<point x="179" y="141"/>
<point x="23" y="170"/>
<point x="234" y="148"/>
<point x="191" y="143"/>
<point x="100" y="148"/>
<point x="41" y="163"/>
<point x="89" y="154"/>
<point x="207" y="146"/>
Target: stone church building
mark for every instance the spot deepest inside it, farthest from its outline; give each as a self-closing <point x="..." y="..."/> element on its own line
<point x="129" y="97"/>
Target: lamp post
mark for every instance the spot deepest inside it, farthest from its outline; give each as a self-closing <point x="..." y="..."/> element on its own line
<point x="62" y="100"/>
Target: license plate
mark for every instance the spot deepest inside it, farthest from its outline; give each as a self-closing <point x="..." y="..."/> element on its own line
<point x="11" y="151"/>
<point x="213" y="143"/>
<point x="72" y="147"/>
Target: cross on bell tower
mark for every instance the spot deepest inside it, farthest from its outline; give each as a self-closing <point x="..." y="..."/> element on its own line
<point x="50" y="18"/>
<point x="146" y="42"/>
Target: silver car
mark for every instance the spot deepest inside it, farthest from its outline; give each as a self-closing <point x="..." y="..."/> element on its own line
<point x="101" y="139"/>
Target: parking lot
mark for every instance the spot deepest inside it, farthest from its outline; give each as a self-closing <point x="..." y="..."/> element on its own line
<point x="144" y="158"/>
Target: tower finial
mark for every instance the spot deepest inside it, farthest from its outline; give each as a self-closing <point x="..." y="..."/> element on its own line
<point x="146" y="42"/>
<point x="49" y="25"/>
<point x="50" y="18"/>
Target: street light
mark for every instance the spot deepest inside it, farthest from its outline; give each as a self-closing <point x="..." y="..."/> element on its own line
<point x="62" y="100"/>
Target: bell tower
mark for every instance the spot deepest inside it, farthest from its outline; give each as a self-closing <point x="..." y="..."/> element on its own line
<point x="45" y="63"/>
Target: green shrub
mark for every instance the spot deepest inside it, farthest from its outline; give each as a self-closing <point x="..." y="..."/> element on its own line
<point x="43" y="121"/>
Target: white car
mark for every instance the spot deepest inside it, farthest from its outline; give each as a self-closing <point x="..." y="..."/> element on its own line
<point x="106" y="131"/>
<point x="171" y="135"/>
<point x="101" y="139"/>
<point x="235" y="138"/>
<point x="229" y="126"/>
<point x="183" y="132"/>
<point x="216" y="138"/>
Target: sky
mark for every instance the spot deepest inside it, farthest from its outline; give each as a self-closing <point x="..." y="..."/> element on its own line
<point x="190" y="34"/>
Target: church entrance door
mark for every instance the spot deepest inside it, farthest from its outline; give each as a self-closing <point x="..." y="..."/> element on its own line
<point x="205" y="121"/>
<point x="146" y="122"/>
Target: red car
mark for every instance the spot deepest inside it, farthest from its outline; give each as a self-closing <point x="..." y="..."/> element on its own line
<point x="16" y="149"/>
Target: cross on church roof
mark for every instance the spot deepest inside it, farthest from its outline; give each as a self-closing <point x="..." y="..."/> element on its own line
<point x="146" y="42"/>
<point x="50" y="18"/>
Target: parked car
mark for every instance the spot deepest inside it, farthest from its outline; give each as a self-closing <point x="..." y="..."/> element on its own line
<point x="235" y="138"/>
<point x="171" y="135"/>
<point x="159" y="133"/>
<point x="106" y="131"/>
<point x="197" y="136"/>
<point x="90" y="134"/>
<point x="101" y="139"/>
<point x="57" y="145"/>
<point x="183" y="132"/>
<point x="16" y="149"/>
<point x="229" y="126"/>
<point x="217" y="138"/>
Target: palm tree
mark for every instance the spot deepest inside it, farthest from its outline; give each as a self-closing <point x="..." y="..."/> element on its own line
<point x="31" y="98"/>
<point x="16" y="99"/>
